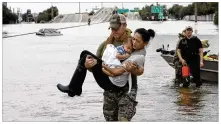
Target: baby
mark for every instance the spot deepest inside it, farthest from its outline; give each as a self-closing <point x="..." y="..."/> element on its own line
<point x="123" y="52"/>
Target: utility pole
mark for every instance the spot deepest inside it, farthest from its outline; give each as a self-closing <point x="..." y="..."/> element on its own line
<point x="79" y="7"/>
<point x="101" y="4"/>
<point x="52" y="12"/>
<point x="195" y="11"/>
<point x="122" y="6"/>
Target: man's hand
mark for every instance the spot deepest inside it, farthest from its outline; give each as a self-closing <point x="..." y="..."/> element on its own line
<point x="130" y="66"/>
<point x="127" y="55"/>
<point x="201" y="64"/>
<point x="90" y="62"/>
<point x="183" y="62"/>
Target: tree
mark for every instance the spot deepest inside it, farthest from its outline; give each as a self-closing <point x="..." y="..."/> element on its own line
<point x="145" y="12"/>
<point x="8" y="16"/>
<point x="176" y="11"/>
<point x="203" y="8"/>
<point x="46" y="15"/>
<point x="216" y="22"/>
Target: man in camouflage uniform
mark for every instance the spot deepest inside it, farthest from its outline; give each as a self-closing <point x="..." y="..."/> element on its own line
<point x="177" y="63"/>
<point x="118" y="106"/>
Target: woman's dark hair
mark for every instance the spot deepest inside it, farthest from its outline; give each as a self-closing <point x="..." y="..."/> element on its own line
<point x="145" y="34"/>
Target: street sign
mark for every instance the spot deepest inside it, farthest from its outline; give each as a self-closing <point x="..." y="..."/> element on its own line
<point x="132" y="11"/>
<point x="122" y="10"/>
<point x="156" y="9"/>
<point x="160" y="16"/>
<point x="136" y="9"/>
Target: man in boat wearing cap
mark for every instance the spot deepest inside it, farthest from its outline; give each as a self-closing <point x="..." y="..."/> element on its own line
<point x="190" y="53"/>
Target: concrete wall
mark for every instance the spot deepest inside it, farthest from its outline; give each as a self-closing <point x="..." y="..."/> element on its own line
<point x="200" y="18"/>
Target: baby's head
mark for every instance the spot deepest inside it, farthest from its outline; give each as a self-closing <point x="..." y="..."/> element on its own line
<point x="128" y="46"/>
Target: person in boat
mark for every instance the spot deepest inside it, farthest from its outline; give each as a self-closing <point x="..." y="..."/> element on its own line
<point x="177" y="63"/>
<point x="190" y="53"/>
<point x="118" y="105"/>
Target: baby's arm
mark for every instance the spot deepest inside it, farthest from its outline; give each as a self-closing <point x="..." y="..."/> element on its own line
<point x="122" y="57"/>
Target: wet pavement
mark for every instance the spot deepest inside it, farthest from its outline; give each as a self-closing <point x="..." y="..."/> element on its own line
<point x="33" y="65"/>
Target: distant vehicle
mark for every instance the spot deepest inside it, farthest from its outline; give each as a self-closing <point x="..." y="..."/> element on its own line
<point x="4" y="33"/>
<point x="61" y="16"/>
<point x="91" y="13"/>
<point x="48" y="32"/>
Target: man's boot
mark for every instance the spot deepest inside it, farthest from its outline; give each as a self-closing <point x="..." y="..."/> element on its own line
<point x="75" y="85"/>
<point x="199" y="83"/>
<point x="186" y="82"/>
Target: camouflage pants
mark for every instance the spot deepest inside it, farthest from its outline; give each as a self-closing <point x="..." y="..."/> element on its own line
<point x="119" y="106"/>
<point x="178" y="71"/>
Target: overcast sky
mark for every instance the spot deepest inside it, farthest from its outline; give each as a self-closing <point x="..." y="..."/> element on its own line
<point x="66" y="8"/>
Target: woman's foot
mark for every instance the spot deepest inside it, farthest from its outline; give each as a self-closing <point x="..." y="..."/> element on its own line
<point x="66" y="89"/>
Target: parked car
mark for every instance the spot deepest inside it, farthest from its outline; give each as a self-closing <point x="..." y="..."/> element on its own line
<point x="48" y="32"/>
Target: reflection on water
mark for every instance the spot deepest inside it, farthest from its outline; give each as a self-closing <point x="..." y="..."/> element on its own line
<point x="189" y="101"/>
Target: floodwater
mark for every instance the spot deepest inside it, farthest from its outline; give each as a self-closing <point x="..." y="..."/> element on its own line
<point x="33" y="65"/>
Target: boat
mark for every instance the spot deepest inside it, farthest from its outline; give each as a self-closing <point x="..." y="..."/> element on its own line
<point x="208" y="73"/>
<point x="48" y="32"/>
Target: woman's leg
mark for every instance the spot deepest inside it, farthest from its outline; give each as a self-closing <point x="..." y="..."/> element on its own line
<point x="102" y="79"/>
<point x="77" y="80"/>
<point x="75" y="85"/>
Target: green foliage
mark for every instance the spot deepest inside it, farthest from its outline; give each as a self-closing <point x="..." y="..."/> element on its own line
<point x="46" y="15"/>
<point x="178" y="11"/>
<point x="8" y="16"/>
<point x="26" y="16"/>
<point x="203" y="8"/>
<point x="145" y="13"/>
<point x="216" y="22"/>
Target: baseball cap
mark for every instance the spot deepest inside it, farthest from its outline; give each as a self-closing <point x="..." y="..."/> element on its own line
<point x="116" y="20"/>
<point x="188" y="27"/>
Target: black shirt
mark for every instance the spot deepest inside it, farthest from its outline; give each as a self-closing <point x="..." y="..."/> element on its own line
<point x="190" y="47"/>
